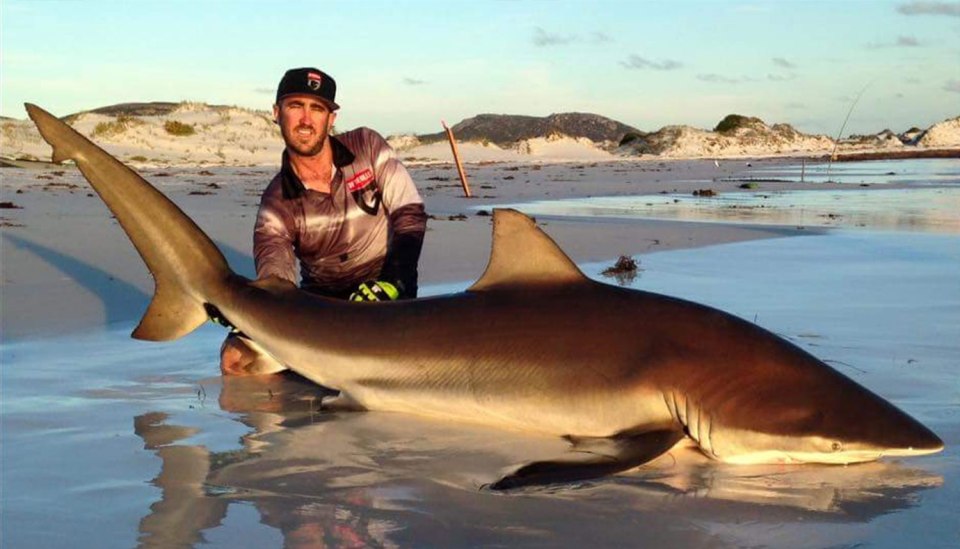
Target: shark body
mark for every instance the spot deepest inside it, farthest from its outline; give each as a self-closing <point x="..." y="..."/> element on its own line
<point x="533" y="345"/>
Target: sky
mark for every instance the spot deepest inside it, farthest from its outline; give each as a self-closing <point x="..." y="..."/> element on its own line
<point x="402" y="66"/>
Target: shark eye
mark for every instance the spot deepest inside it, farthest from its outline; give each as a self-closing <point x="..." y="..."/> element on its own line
<point x="836" y="446"/>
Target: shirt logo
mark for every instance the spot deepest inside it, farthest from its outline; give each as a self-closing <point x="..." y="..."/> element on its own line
<point x="360" y="181"/>
<point x="314" y="80"/>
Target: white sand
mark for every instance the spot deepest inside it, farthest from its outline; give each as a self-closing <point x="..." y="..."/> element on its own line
<point x="221" y="136"/>
<point x="943" y="134"/>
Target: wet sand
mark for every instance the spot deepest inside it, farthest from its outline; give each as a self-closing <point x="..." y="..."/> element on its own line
<point x="67" y="266"/>
<point x="110" y="442"/>
<point x="97" y="425"/>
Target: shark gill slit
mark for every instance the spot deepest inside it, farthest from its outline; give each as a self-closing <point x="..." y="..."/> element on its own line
<point x="673" y="407"/>
<point x="709" y="438"/>
<point x="670" y="401"/>
<point x="700" y="430"/>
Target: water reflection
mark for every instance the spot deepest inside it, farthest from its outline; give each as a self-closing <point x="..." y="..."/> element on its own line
<point x="882" y="172"/>
<point x="379" y="479"/>
<point x="929" y="209"/>
<point x="847" y="493"/>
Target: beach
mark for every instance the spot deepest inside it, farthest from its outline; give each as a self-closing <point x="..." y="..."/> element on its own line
<point x="177" y="455"/>
<point x="62" y="251"/>
<point x="763" y="198"/>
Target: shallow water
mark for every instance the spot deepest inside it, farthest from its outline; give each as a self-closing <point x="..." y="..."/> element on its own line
<point x="110" y="442"/>
<point x="926" y="198"/>
<point x="929" y="209"/>
<point x="926" y="171"/>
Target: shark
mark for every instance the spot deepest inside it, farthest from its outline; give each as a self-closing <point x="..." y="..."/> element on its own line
<point x="533" y="345"/>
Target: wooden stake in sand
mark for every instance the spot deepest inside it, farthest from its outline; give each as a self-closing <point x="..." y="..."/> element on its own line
<point x="456" y="158"/>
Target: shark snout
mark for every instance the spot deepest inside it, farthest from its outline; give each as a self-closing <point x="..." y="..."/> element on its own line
<point x="923" y="441"/>
<point x="905" y="436"/>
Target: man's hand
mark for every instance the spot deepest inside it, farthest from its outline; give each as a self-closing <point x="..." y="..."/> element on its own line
<point x="376" y="290"/>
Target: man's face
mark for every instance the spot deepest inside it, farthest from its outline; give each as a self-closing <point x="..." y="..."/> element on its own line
<point x="305" y="122"/>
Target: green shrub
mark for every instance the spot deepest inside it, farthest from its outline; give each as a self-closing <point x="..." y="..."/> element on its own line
<point x="630" y="137"/>
<point x="174" y="127"/>
<point x="731" y="122"/>
<point x="118" y="126"/>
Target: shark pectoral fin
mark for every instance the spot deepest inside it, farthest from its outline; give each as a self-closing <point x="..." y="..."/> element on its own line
<point x="274" y="284"/>
<point x="592" y="458"/>
<point x="171" y="315"/>
<point x="341" y="403"/>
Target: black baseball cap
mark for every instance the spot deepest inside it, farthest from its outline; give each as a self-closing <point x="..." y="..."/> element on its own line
<point x="309" y="81"/>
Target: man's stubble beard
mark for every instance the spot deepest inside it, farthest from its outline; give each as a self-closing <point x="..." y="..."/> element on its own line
<point x="302" y="149"/>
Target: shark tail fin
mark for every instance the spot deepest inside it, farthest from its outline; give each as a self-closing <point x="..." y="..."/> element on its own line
<point x="186" y="265"/>
<point x="172" y="314"/>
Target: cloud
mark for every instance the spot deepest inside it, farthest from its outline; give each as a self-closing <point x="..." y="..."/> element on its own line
<point x="781" y="77"/>
<point x="916" y="7"/>
<point x="900" y="42"/>
<point x="637" y="62"/>
<point x="952" y="86"/>
<point x="781" y="62"/>
<point x="718" y="78"/>
<point x="600" y="37"/>
<point x="542" y="38"/>
<point x="413" y="81"/>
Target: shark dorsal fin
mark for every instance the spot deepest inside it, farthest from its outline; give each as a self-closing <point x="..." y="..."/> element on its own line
<point x="523" y="255"/>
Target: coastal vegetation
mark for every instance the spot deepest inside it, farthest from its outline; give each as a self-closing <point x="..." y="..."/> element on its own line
<point x="118" y="126"/>
<point x="175" y="127"/>
<point x="733" y="122"/>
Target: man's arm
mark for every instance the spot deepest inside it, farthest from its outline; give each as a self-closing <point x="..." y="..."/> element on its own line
<point x="273" y="241"/>
<point x="408" y="219"/>
<point x="403" y="250"/>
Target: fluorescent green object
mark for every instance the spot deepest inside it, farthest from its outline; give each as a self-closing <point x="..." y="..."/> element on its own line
<point x="375" y="290"/>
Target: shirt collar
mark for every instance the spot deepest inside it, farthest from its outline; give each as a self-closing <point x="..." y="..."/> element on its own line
<point x="291" y="184"/>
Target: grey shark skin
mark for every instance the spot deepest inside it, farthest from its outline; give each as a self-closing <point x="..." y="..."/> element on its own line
<point x="533" y="345"/>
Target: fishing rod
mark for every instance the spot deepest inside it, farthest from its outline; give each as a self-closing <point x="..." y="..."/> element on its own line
<point x="836" y="142"/>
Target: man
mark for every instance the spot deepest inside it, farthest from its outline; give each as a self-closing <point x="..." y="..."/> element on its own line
<point x="343" y="206"/>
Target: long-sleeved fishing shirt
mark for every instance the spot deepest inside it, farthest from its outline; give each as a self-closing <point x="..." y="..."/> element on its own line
<point x="369" y="227"/>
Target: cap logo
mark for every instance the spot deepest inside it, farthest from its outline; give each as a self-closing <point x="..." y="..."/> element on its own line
<point x="314" y="80"/>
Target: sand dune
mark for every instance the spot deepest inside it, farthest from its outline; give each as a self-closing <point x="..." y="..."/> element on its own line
<point x="942" y="134"/>
<point x="197" y="134"/>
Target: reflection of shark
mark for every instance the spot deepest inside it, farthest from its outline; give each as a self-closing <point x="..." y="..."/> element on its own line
<point x="845" y="494"/>
<point x="533" y="345"/>
<point x="341" y="476"/>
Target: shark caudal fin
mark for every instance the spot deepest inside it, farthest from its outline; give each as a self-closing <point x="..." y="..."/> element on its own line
<point x="186" y="265"/>
<point x="522" y="254"/>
